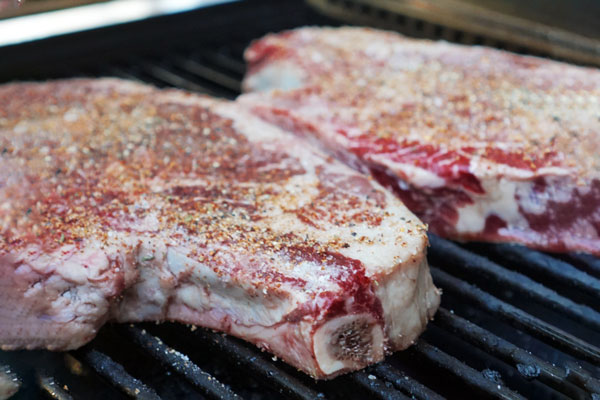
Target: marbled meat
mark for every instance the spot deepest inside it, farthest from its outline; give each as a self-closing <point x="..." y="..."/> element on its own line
<point x="119" y="201"/>
<point x="482" y="144"/>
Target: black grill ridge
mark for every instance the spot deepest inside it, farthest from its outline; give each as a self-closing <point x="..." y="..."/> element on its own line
<point x="514" y="322"/>
<point x="469" y="263"/>
<point x="52" y="389"/>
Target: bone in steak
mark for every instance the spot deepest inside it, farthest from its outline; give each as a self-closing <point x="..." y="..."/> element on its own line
<point x="123" y="202"/>
<point x="481" y="144"/>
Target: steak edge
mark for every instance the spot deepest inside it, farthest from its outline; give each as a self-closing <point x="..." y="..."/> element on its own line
<point x="482" y="144"/>
<point x="123" y="202"/>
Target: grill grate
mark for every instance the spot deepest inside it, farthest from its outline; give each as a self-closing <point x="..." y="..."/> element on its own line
<point x="526" y="27"/>
<point x="514" y="322"/>
<point x="116" y="374"/>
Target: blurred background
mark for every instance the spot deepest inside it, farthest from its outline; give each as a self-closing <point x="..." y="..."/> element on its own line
<point x="11" y="8"/>
<point x="567" y="29"/>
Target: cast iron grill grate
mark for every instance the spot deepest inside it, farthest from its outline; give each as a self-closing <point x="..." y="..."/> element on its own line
<point x="514" y="323"/>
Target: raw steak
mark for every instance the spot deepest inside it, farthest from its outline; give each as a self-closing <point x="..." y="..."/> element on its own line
<point x="481" y="144"/>
<point x="120" y="201"/>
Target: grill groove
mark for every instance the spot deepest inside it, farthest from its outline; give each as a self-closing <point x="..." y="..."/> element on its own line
<point x="528" y="365"/>
<point x="469" y="263"/>
<point x="116" y="374"/>
<point x="242" y="355"/>
<point x="180" y="363"/>
<point x="544" y="267"/>
<point x="520" y="319"/>
<point x="52" y="389"/>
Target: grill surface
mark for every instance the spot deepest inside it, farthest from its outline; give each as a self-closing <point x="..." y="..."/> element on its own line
<point x="514" y="322"/>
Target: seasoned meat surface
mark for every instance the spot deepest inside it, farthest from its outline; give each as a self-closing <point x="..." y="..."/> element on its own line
<point x="123" y="202"/>
<point x="481" y="144"/>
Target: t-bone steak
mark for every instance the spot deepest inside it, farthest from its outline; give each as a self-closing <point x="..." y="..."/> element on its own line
<point x="482" y="144"/>
<point x="119" y="201"/>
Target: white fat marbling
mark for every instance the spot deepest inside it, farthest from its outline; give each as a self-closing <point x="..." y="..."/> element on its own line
<point x="499" y="199"/>
<point x="418" y="177"/>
